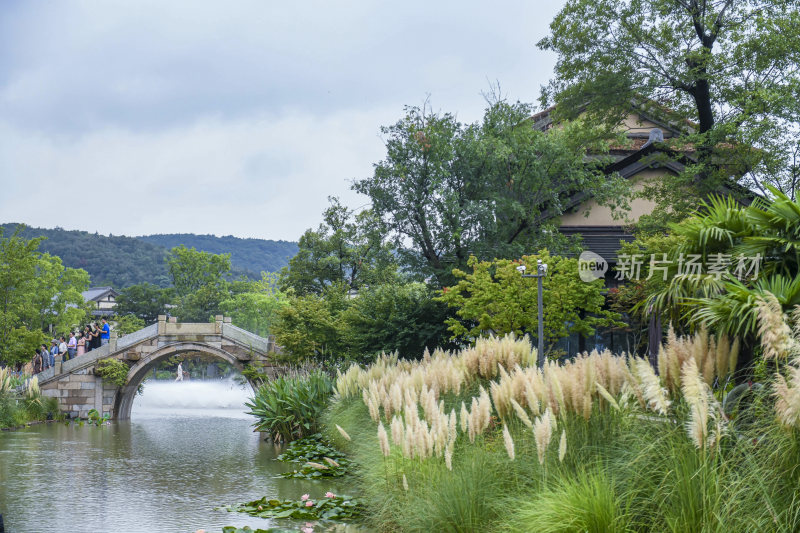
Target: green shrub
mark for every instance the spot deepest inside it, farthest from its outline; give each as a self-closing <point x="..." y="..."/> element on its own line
<point x="112" y="370"/>
<point x="18" y="411"/>
<point x="289" y="407"/>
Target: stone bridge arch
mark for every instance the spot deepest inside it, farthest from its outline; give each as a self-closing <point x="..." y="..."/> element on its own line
<point x="142" y="368"/>
<point x="79" y="389"/>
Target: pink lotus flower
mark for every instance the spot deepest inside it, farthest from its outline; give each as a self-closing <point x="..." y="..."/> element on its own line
<point x="304" y="497"/>
<point x="309" y="503"/>
<point x="330" y="495"/>
<point x="308" y="530"/>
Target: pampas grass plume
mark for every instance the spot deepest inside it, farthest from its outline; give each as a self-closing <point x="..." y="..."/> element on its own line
<point x="562" y="446"/>
<point x="521" y="413"/>
<point x="787" y="403"/>
<point x="383" y="439"/>
<point x="508" y="442"/>
<point x="605" y="394"/>
<point x="543" y="431"/>
<point x="694" y="392"/>
<point x="343" y="432"/>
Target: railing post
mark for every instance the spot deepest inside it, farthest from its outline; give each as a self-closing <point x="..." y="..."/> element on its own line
<point x="112" y="343"/>
<point x="162" y="324"/>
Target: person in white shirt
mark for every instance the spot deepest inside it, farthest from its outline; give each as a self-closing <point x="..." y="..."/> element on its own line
<point x="62" y="349"/>
<point x="180" y="373"/>
<point x="72" y="345"/>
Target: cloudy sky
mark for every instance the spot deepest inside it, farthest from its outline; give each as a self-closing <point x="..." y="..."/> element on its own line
<point x="238" y="117"/>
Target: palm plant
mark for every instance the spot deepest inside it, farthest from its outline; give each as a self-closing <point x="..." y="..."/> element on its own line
<point x="722" y="229"/>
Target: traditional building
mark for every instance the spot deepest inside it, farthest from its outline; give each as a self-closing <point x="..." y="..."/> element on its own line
<point x="638" y="162"/>
<point x="105" y="299"/>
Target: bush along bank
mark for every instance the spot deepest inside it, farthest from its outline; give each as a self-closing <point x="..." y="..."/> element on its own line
<point x="290" y="407"/>
<point x="481" y="440"/>
<point x="19" y="409"/>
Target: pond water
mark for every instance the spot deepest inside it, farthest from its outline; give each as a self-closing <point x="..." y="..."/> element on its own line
<point x="188" y="448"/>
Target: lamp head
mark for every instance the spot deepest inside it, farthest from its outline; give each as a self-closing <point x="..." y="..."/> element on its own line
<point x="521" y="269"/>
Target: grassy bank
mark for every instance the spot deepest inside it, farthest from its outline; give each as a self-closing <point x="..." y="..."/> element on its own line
<point x="20" y="409"/>
<point x="481" y="441"/>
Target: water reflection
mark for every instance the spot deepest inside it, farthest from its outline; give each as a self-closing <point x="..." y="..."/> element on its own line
<point x="188" y="448"/>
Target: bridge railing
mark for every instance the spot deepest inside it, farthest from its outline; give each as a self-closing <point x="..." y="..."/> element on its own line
<point x="90" y="358"/>
<point x="244" y="337"/>
<point x="137" y="336"/>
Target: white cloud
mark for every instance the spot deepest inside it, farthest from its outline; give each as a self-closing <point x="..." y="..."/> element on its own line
<point x="266" y="176"/>
<point x="232" y="117"/>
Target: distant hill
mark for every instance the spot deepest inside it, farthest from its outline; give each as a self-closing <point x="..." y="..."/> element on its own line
<point x="121" y="261"/>
<point x="254" y="255"/>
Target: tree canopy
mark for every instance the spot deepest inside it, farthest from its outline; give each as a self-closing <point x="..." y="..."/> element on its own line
<point x="724" y="72"/>
<point x="494" y="299"/>
<point x="447" y="190"/>
<point x="37" y="294"/>
<point x="144" y="300"/>
<point x="347" y="250"/>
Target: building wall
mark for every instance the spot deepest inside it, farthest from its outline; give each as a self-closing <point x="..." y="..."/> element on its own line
<point x="590" y="213"/>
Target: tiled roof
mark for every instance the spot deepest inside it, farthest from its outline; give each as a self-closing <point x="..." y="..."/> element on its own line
<point x="95" y="293"/>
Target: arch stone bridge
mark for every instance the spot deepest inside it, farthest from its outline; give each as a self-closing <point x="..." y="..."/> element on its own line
<point x="79" y="390"/>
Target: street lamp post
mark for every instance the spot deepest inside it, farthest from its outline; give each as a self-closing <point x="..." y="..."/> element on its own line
<point x="541" y="272"/>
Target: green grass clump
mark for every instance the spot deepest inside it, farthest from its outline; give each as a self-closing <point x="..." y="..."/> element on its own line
<point x="586" y="502"/>
<point x="290" y="407"/>
<point x="16" y="410"/>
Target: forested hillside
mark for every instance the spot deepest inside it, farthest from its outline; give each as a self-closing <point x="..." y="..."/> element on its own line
<point x="121" y="261"/>
<point x="254" y="255"/>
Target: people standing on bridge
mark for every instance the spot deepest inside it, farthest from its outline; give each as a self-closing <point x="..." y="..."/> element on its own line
<point x="62" y="349"/>
<point x="87" y="336"/>
<point x="45" y="356"/>
<point x="72" y="345"/>
<point x="37" y="362"/>
<point x="105" y="332"/>
<point x="53" y="352"/>
<point x="95" y="336"/>
<point x="81" y="345"/>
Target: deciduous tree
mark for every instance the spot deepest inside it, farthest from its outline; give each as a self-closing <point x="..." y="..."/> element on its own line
<point x="495" y="299"/>
<point x="446" y="190"/>
<point x="725" y="72"/>
<point x="144" y="300"/>
<point x="348" y="250"/>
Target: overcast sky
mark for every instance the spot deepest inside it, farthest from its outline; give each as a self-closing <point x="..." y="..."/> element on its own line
<point x="237" y="117"/>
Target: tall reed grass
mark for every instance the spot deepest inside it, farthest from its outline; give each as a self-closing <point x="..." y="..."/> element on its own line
<point x="481" y="440"/>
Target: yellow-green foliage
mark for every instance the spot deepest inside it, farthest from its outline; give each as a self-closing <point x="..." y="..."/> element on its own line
<point x="495" y="298"/>
<point x="17" y="409"/>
